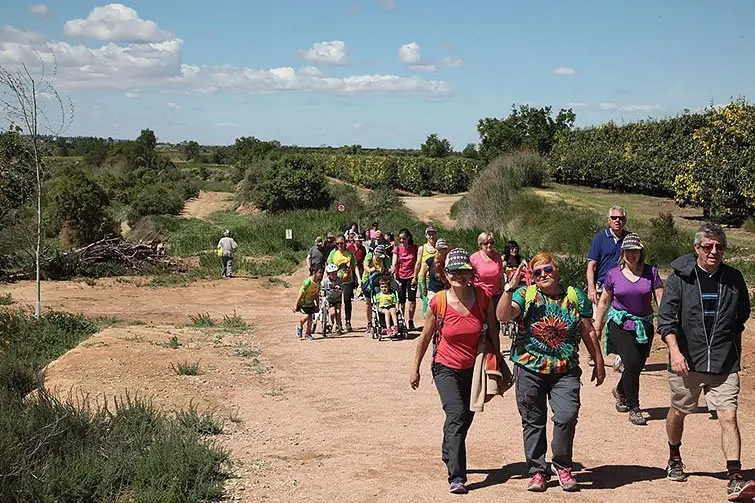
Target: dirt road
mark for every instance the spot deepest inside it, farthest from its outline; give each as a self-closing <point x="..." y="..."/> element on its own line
<point x="336" y="420"/>
<point x="206" y="203"/>
<point x="435" y="209"/>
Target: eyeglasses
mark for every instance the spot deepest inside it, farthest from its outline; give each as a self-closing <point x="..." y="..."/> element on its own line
<point x="707" y="248"/>
<point x="617" y="217"/>
<point x="488" y="243"/>
<point x="543" y="270"/>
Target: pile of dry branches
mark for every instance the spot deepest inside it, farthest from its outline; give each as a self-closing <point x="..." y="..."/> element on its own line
<point x="119" y="251"/>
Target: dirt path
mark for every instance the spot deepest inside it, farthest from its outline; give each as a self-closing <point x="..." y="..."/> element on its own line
<point x="335" y="419"/>
<point x="206" y="203"/>
<point x="435" y="209"/>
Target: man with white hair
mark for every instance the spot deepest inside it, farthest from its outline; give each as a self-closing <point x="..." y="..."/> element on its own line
<point x="226" y="249"/>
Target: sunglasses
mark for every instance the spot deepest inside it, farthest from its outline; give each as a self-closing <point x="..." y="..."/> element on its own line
<point x="710" y="247"/>
<point x="616" y="217"/>
<point x="486" y="243"/>
<point x="543" y="270"/>
<point x="458" y="272"/>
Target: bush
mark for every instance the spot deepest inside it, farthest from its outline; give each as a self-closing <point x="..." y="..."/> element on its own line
<point x="664" y="240"/>
<point x="292" y="183"/>
<point x="155" y="200"/>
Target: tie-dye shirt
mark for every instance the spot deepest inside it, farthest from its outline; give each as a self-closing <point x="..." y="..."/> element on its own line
<point x="551" y="336"/>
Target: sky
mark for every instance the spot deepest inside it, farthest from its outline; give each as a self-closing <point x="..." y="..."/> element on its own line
<point x="379" y="73"/>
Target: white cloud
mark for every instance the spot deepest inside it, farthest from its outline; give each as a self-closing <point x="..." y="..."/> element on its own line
<point x="227" y="124"/>
<point x="423" y="68"/>
<point x="579" y="106"/>
<point x="327" y="53"/>
<point x="159" y="66"/>
<point x="132" y="95"/>
<point x="410" y="53"/>
<point x="118" y="23"/>
<point x="357" y="125"/>
<point x="173" y="106"/>
<point x="630" y="108"/>
<point x="564" y="71"/>
<point x="607" y="105"/>
<point x="388" y="4"/>
<point x="9" y="34"/>
<point x="451" y="62"/>
<point x="311" y="71"/>
<point x="39" y="9"/>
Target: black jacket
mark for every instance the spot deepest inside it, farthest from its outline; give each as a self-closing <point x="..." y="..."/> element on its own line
<point x="681" y="313"/>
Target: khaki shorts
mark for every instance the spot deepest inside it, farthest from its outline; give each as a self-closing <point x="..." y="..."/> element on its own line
<point x="721" y="391"/>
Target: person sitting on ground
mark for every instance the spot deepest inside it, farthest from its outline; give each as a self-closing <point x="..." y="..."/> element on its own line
<point x="316" y="255"/>
<point x="226" y="249"/>
<point x="546" y="366"/>
<point x="332" y="286"/>
<point x="374" y="262"/>
<point x="701" y="319"/>
<point x="402" y="267"/>
<point x="386" y="303"/>
<point x="435" y="277"/>
<point x="308" y="300"/>
<point x="628" y="293"/>
<point x="455" y="325"/>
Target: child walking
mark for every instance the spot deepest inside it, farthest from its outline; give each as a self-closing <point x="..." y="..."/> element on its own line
<point x="332" y="287"/>
<point x="386" y="302"/>
<point x="308" y="300"/>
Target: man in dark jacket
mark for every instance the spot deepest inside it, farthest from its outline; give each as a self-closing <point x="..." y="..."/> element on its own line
<point x="702" y="315"/>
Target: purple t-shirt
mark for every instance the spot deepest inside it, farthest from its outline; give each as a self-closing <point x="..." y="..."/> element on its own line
<point x="633" y="297"/>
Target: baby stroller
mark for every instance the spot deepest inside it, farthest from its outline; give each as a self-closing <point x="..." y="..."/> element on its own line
<point x="379" y="323"/>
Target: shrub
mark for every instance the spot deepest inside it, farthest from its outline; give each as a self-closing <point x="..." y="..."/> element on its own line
<point x="292" y="183"/>
<point x="155" y="200"/>
<point x="665" y="241"/>
<point x="186" y="368"/>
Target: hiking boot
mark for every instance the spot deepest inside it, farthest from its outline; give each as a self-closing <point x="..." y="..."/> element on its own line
<point x="675" y="470"/>
<point x="566" y="480"/>
<point x="621" y="401"/>
<point x="298" y="332"/>
<point x="411" y="324"/>
<point x="740" y="489"/>
<point x="457" y="487"/>
<point x="348" y="326"/>
<point x="538" y="483"/>
<point x="635" y="417"/>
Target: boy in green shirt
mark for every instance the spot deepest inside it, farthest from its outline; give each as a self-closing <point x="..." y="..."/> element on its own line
<point x="307" y="302"/>
<point x="386" y="302"/>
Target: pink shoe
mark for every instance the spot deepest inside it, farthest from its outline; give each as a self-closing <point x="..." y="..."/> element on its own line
<point x="566" y="480"/>
<point x="538" y="483"/>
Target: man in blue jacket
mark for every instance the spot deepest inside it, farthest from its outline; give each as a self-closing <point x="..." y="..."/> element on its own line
<point x="701" y="318"/>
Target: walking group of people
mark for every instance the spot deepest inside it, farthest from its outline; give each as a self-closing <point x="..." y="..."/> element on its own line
<point x="702" y="309"/>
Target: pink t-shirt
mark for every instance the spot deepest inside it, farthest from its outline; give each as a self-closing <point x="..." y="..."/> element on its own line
<point x="488" y="272"/>
<point x="457" y="348"/>
<point x="407" y="259"/>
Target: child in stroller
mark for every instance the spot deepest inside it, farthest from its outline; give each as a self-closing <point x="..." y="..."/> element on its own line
<point x="387" y="317"/>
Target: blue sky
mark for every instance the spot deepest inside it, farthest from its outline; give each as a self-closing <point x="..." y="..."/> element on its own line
<point x="376" y="72"/>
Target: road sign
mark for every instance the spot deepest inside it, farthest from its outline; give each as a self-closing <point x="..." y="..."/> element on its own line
<point x="341" y="207"/>
<point x="289" y="234"/>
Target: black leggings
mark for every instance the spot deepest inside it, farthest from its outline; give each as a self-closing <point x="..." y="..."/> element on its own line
<point x="348" y="294"/>
<point x="633" y="356"/>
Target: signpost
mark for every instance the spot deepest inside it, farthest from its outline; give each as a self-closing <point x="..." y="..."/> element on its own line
<point x="289" y="234"/>
<point x="341" y="207"/>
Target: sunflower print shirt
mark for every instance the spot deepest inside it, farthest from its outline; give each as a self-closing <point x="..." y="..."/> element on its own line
<point x="549" y="343"/>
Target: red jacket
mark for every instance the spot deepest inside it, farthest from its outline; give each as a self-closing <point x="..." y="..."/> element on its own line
<point x="359" y="252"/>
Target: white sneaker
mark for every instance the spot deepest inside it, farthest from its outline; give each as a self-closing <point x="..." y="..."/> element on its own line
<point x="618" y="365"/>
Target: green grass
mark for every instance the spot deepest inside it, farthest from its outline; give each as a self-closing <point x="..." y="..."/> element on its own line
<point x="202" y="423"/>
<point x="186" y="368"/>
<point x="6" y="299"/>
<point x="234" y="323"/>
<point x="172" y="342"/>
<point x="201" y="320"/>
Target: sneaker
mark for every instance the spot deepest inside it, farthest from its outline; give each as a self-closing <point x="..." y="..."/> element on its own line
<point x="298" y="332"/>
<point x="618" y="365"/>
<point x="339" y="330"/>
<point x="308" y="337"/>
<point x="411" y="324"/>
<point x="635" y="417"/>
<point x="538" y="483"/>
<point x="621" y="401"/>
<point x="457" y="487"/>
<point x="675" y="470"/>
<point x="368" y="330"/>
<point x="566" y="480"/>
<point x="740" y="489"/>
<point x="348" y="326"/>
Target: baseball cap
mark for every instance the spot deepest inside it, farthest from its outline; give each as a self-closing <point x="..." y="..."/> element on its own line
<point x="632" y="241"/>
<point x="330" y="235"/>
<point x="458" y="260"/>
<point x="318" y="240"/>
<point x="430" y="228"/>
<point x="380" y="251"/>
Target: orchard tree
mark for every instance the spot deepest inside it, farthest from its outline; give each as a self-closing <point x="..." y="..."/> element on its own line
<point x="192" y="150"/>
<point x="526" y="128"/>
<point x="436" y="147"/>
<point x="32" y="104"/>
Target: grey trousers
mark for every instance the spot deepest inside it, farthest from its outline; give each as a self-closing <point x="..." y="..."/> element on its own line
<point x="227" y="269"/>
<point x="455" y="390"/>
<point x="562" y="391"/>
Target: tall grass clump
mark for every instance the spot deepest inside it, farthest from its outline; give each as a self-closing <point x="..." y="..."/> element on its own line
<point x="664" y="240"/>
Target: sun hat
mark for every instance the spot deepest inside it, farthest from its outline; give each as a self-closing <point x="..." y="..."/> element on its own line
<point x="430" y="228"/>
<point x="331" y="268"/>
<point x="632" y="242"/>
<point x="380" y="251"/>
<point x="441" y="244"/>
<point x="458" y="260"/>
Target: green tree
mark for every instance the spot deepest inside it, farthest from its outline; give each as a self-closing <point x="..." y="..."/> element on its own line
<point x="436" y="147"/>
<point x="192" y="150"/>
<point x="17" y="177"/>
<point x="526" y="128"/>
<point x="291" y="183"/>
<point x="470" y="151"/>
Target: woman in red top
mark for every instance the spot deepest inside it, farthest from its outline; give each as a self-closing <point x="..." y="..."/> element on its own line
<point x="356" y="246"/>
<point x="454" y="356"/>
<point x="402" y="267"/>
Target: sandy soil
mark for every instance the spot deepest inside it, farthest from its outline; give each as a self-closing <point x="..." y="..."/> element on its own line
<point x="335" y="419"/>
<point x="206" y="203"/>
<point x="435" y="209"/>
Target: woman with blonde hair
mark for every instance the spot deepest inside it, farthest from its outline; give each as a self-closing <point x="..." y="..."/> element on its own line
<point x="628" y="293"/>
<point x="546" y="365"/>
<point x="425" y="251"/>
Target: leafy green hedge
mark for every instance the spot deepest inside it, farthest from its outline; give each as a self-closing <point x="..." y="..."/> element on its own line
<point x="414" y="174"/>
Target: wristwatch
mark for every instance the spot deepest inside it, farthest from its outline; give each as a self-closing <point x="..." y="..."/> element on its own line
<point x="507" y="287"/>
